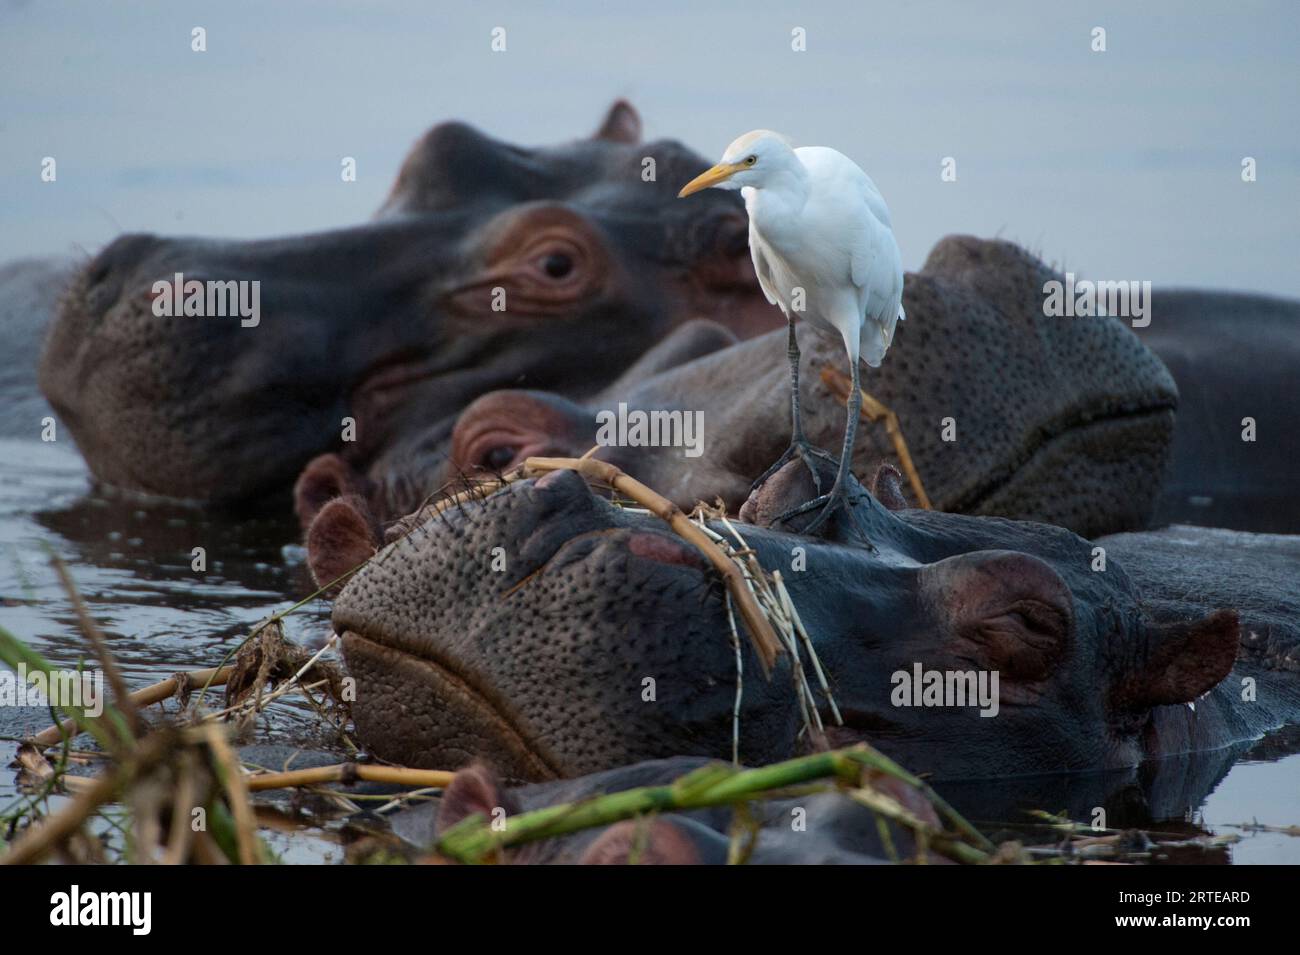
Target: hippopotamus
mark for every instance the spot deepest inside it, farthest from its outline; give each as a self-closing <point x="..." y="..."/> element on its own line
<point x="1235" y="358"/>
<point x="831" y="828"/>
<point x="1004" y="411"/>
<point x="555" y="633"/>
<point x="490" y="265"/>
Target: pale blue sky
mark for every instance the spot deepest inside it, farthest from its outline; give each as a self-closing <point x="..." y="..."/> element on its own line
<point x="1121" y="165"/>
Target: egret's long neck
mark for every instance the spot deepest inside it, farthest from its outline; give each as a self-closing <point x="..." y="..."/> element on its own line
<point x="775" y="206"/>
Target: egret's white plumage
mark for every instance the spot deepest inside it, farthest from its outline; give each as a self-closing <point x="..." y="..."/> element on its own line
<point x="824" y="251"/>
<point x="818" y="222"/>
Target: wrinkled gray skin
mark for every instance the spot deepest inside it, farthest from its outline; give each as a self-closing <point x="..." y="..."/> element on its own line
<point x="1233" y="356"/>
<point x="1181" y="569"/>
<point x="1066" y="421"/>
<point x="540" y="667"/>
<point x="394" y="323"/>
<point x="837" y="830"/>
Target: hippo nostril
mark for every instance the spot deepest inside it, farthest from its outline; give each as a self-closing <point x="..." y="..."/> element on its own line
<point x="566" y="485"/>
<point x="107" y="273"/>
<point x="124" y="252"/>
<point x="551" y="478"/>
<point x="98" y="272"/>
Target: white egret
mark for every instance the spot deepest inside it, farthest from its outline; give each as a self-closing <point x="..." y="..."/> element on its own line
<point x="823" y="248"/>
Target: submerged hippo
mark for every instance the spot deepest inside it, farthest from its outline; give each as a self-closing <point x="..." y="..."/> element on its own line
<point x="833" y="829"/>
<point x="541" y="664"/>
<point x="489" y="266"/>
<point x="1005" y="411"/>
<point x="1236" y="359"/>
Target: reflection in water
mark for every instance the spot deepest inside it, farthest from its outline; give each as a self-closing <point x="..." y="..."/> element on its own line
<point x="131" y="560"/>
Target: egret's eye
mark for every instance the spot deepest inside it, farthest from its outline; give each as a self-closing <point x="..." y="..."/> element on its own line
<point x="750" y="160"/>
<point x="557" y="265"/>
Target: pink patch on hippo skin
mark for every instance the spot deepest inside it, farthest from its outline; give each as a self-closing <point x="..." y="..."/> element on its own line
<point x="659" y="548"/>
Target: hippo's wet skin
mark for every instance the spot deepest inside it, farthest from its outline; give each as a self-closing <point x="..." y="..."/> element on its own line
<point x="1234" y="357"/>
<point x="490" y="266"/>
<point x="837" y="830"/>
<point x="1062" y="421"/>
<point x="1159" y="794"/>
<point x="540" y="667"/>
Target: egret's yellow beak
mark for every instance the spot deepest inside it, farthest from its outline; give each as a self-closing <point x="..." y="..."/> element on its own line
<point x="710" y="177"/>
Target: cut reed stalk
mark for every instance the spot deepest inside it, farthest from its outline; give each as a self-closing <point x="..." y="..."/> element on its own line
<point x="349" y="773"/>
<point x="155" y="693"/>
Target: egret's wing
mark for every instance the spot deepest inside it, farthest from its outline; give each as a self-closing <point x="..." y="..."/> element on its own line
<point x="850" y="205"/>
<point x="875" y="265"/>
<point x="759" y="251"/>
<point x="873" y="255"/>
<point x="836" y="170"/>
<point x="876" y="268"/>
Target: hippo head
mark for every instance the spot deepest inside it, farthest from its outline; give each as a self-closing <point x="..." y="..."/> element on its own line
<point x="555" y="633"/>
<point x="664" y="840"/>
<point x="490" y="265"/>
<point x="1005" y="410"/>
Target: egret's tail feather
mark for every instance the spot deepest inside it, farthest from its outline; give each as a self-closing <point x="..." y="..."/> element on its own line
<point x="876" y="337"/>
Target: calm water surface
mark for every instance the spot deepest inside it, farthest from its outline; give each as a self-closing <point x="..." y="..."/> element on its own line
<point x="131" y="561"/>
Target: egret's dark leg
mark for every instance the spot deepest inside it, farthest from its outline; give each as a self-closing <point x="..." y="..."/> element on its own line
<point x="838" y="495"/>
<point x="798" y="443"/>
<point x="792" y="352"/>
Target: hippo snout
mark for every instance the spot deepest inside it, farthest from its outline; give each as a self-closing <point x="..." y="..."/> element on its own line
<point x="546" y="629"/>
<point x="113" y="272"/>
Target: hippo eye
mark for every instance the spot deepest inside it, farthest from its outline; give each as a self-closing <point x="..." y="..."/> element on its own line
<point x="557" y="265"/>
<point x="500" y="457"/>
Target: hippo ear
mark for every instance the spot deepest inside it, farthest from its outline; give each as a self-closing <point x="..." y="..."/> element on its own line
<point x="341" y="537"/>
<point x="475" y="789"/>
<point x="887" y="487"/>
<point x="1182" y="662"/>
<point x="1007" y="610"/>
<point x="325" y="477"/>
<point x="622" y="124"/>
<point x="642" y="842"/>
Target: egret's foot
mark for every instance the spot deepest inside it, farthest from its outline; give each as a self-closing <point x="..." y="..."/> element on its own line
<point x="829" y="504"/>
<point x="836" y="500"/>
<point x="807" y="453"/>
